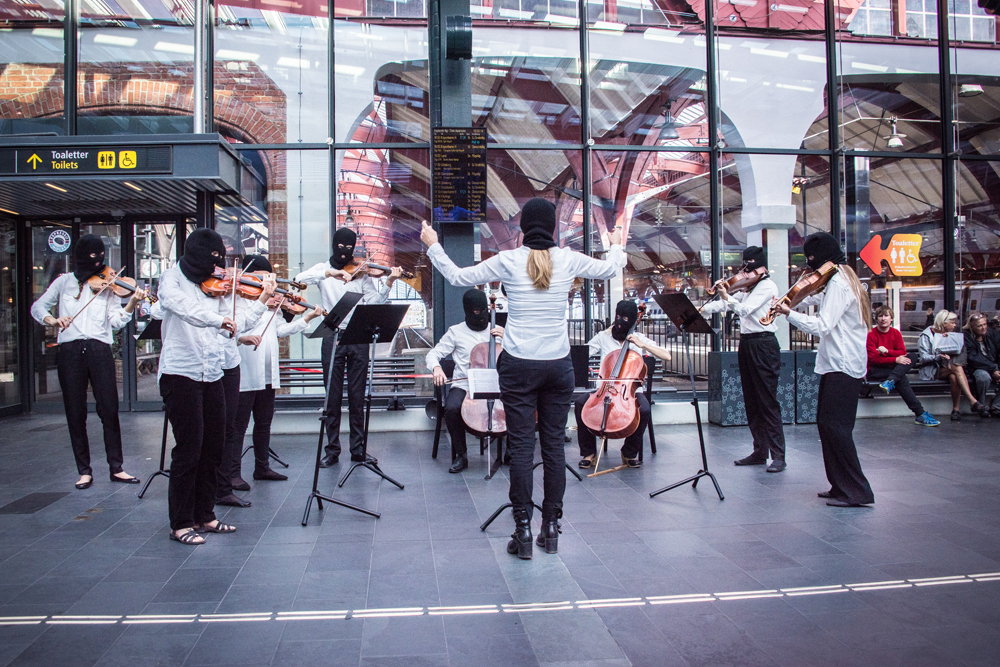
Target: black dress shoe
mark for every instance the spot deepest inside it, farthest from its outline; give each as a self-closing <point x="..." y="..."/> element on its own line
<point x="459" y="464"/>
<point x="327" y="462"/>
<point x="824" y="494"/>
<point x="362" y="458"/>
<point x="752" y="460"/>
<point x="269" y="475"/>
<point x="85" y="485"/>
<point x="232" y="501"/>
<point x="833" y="502"/>
<point x="124" y="480"/>
<point x="777" y="465"/>
<point x="239" y="484"/>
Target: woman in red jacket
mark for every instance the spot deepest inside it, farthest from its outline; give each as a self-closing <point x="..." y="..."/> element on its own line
<point x="887" y="361"/>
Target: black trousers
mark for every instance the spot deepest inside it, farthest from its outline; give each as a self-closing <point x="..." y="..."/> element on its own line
<point x="456" y="425"/>
<point x="835" y="415"/>
<point x="260" y="404"/>
<point x="197" y="414"/>
<point x="588" y="441"/>
<point x="354" y="360"/>
<point x="897" y="374"/>
<point x="229" y="465"/>
<point x="760" y="362"/>
<point x="527" y="386"/>
<point x="90" y="361"/>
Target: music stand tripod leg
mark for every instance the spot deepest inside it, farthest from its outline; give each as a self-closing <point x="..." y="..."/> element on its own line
<point x="365" y="463"/>
<point x="163" y="457"/>
<point x="500" y="509"/>
<point x="315" y="494"/>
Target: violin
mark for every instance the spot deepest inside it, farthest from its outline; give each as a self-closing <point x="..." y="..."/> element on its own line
<point x="290" y="302"/>
<point x="485" y="417"/>
<point x="362" y="267"/>
<point x="121" y="286"/>
<point x="742" y="281"/>
<point x="810" y="284"/>
<point x="612" y="410"/>
<point x="221" y="283"/>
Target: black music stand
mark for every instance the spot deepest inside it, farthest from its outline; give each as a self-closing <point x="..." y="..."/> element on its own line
<point x="376" y="323"/>
<point x="687" y="319"/>
<point x="152" y="332"/>
<point x="326" y="329"/>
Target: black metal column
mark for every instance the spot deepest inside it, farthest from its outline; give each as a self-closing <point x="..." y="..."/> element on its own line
<point x="586" y="297"/>
<point x="949" y="164"/>
<point x="453" y="94"/>
<point x="205" y="210"/>
<point x="209" y="65"/>
<point x="857" y="197"/>
<point x="71" y="23"/>
<point x="712" y="103"/>
<point x="833" y="116"/>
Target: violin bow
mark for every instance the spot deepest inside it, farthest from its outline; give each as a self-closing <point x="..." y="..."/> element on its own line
<point x="114" y="275"/>
<point x="270" y="320"/>
<point x="236" y="270"/>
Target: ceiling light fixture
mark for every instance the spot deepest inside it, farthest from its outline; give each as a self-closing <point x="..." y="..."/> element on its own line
<point x="669" y="129"/>
<point x="134" y="187"/>
<point x="7" y="210"/>
<point x="56" y="187"/>
<point x="895" y="139"/>
<point x="970" y="90"/>
<point x="349" y="219"/>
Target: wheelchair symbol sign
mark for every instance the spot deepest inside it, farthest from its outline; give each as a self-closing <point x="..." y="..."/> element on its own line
<point x="127" y="160"/>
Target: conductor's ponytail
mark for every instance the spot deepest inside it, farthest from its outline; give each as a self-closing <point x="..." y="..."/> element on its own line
<point x="540" y="268"/>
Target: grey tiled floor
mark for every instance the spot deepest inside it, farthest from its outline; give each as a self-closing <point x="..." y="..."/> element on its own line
<point x="104" y="552"/>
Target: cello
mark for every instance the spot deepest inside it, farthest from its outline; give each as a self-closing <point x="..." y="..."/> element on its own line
<point x="612" y="411"/>
<point x="810" y="284"/>
<point x="485" y="418"/>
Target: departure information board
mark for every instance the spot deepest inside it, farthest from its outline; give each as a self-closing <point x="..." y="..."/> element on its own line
<point x="458" y="165"/>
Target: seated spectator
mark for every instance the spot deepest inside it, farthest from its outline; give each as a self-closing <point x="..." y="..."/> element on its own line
<point x="994" y="323"/>
<point x="942" y="356"/>
<point x="887" y="361"/>
<point x="983" y="347"/>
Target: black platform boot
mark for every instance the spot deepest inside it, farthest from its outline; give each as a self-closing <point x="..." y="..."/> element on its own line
<point x="520" y="542"/>
<point x="548" y="536"/>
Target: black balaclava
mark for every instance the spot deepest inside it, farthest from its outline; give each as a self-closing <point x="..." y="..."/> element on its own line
<point x="824" y="248"/>
<point x="473" y="300"/>
<point x="85" y="265"/>
<point x="253" y="263"/>
<point x="538" y="222"/>
<point x="754" y="257"/>
<point x="198" y="264"/>
<point x="341" y="257"/>
<point x="626" y="315"/>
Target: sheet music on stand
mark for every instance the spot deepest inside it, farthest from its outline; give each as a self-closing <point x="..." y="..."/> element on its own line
<point x="484" y="383"/>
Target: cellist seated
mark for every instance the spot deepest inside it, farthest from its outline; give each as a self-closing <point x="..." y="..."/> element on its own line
<point x="458" y="341"/>
<point x="607" y="341"/>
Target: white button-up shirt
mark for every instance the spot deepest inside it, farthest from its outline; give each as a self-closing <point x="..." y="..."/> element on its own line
<point x="603" y="344"/>
<point x="192" y="344"/>
<point x="97" y="322"/>
<point x="331" y="289"/>
<point x="750" y="306"/>
<point x="260" y="368"/>
<point x="458" y="341"/>
<point x="842" y="331"/>
<point x="248" y="313"/>
<point x="536" y="323"/>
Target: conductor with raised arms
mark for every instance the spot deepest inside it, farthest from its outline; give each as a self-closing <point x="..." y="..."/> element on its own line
<point x="535" y="370"/>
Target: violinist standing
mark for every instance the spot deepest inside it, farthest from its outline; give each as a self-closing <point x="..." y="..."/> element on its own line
<point x="260" y="376"/>
<point x="333" y="283"/>
<point x="842" y="324"/>
<point x="458" y="341"/>
<point x="190" y="375"/>
<point x="759" y="360"/>
<point x="604" y="343"/>
<point x="248" y="312"/>
<point x="85" y="356"/>
<point x="535" y="369"/>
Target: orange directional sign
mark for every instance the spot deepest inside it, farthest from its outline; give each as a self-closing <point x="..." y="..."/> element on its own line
<point x="903" y="254"/>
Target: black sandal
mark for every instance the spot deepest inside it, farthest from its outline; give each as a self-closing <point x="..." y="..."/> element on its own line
<point x="189" y="537"/>
<point x="219" y="527"/>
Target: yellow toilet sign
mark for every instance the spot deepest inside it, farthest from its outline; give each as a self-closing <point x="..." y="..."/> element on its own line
<point x="106" y="160"/>
<point x="902" y="255"/>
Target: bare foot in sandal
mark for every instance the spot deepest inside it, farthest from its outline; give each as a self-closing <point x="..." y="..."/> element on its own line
<point x="215" y="526"/>
<point x="187" y="536"/>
